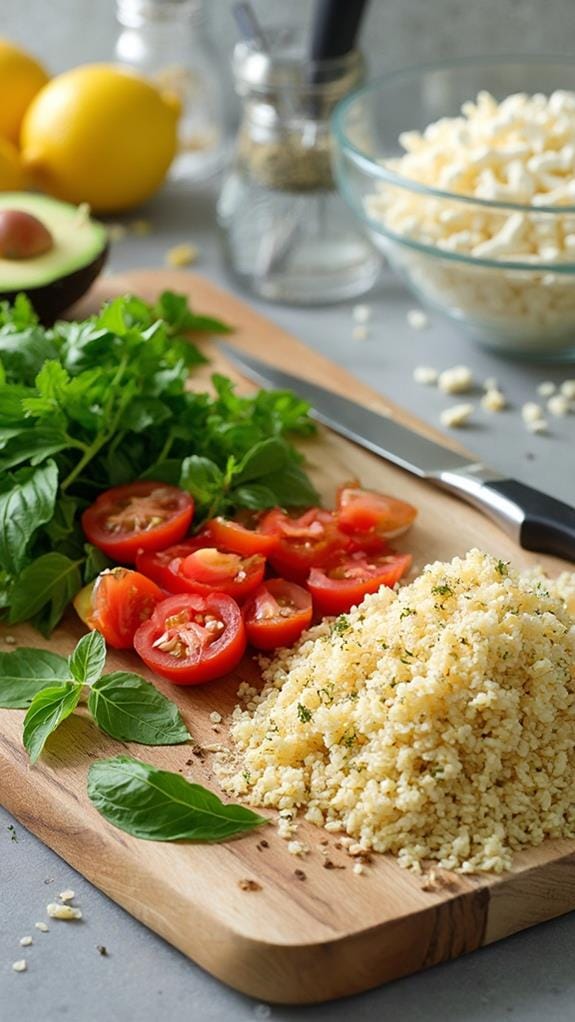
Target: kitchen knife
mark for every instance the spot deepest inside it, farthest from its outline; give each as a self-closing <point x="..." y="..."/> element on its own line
<point x="532" y="518"/>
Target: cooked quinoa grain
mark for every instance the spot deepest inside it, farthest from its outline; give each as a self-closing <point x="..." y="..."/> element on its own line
<point x="441" y="719"/>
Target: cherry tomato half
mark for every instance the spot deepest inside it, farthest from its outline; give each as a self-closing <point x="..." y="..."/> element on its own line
<point x="343" y="585"/>
<point x="365" y="511"/>
<point x="139" y="516"/>
<point x="191" y="639"/>
<point x="303" y="543"/>
<point x="209" y="570"/>
<point x="156" y="563"/>
<point x="277" y="613"/>
<point x="239" y="539"/>
<point x="117" y="603"/>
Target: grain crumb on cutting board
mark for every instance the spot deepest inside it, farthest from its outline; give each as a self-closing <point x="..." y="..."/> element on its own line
<point x="449" y="731"/>
<point x="65" y="912"/>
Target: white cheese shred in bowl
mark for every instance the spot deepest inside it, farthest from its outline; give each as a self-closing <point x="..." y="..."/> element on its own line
<point x="434" y="722"/>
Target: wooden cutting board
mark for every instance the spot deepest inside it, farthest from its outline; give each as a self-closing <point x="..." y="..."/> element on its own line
<point x="334" y="933"/>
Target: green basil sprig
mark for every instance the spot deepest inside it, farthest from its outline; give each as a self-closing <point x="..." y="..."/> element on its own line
<point x="124" y="705"/>
<point x="158" y="805"/>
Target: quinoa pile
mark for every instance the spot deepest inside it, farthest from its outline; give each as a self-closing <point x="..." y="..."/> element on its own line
<point x="434" y="722"/>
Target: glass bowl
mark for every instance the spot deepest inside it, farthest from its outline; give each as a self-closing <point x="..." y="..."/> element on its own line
<point x="523" y="305"/>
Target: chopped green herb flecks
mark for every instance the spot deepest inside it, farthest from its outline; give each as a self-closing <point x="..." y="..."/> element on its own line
<point x="502" y="568"/>
<point x="304" y="713"/>
<point x="442" y="590"/>
<point x="406" y="612"/>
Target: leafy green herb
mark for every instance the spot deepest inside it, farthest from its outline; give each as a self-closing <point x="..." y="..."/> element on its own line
<point x="88" y="405"/>
<point x="47" y="711"/>
<point x="442" y="590"/>
<point x="12" y="832"/>
<point x="25" y="672"/>
<point x="502" y="568"/>
<point x="88" y="659"/>
<point x="304" y="713"/>
<point x="406" y="612"/>
<point x="158" y="805"/>
<point x="341" y="625"/>
<point x="129" y="708"/>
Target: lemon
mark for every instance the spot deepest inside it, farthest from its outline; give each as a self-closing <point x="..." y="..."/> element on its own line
<point x="102" y="135"/>
<point x="12" y="177"/>
<point x="21" y="77"/>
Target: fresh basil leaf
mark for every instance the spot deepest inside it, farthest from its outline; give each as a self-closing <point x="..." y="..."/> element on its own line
<point x="23" y="352"/>
<point x="158" y="805"/>
<point x="25" y="672"/>
<point x="95" y="562"/>
<point x="28" y="504"/>
<point x="33" y="445"/>
<point x="202" y="478"/>
<point x="49" y="583"/>
<point x="143" y="412"/>
<point x="47" y="711"/>
<point x="129" y="708"/>
<point x="174" y="309"/>
<point x="254" y="496"/>
<point x="291" y="487"/>
<point x="267" y="457"/>
<point x="168" y="471"/>
<point x="88" y="659"/>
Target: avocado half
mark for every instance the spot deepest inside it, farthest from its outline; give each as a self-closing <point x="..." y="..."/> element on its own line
<point x="58" y="278"/>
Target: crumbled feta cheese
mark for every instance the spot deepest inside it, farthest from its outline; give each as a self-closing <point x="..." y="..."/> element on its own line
<point x="10" y="640"/>
<point x="361" y="313"/>
<point x="67" y="895"/>
<point x="537" y="425"/>
<point x="358" y="868"/>
<point x="417" y="319"/>
<point x="456" y="416"/>
<point x="546" y="388"/>
<point x="297" y="848"/>
<point x="456" y="380"/>
<point x="42" y="927"/>
<point x="425" y="375"/>
<point x="493" y="401"/>
<point x="360" y="332"/>
<point x="568" y="389"/>
<point x="531" y="412"/>
<point x="559" y="405"/>
<point x="25" y="941"/>
<point x="215" y="717"/>
<point x="20" y="966"/>
<point x="56" y="911"/>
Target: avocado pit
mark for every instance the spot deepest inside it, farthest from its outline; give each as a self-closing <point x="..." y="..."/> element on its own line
<point x="22" y="235"/>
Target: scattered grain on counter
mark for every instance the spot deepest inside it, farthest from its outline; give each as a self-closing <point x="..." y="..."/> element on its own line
<point x="456" y="380"/>
<point x="559" y="405"/>
<point x="456" y="415"/>
<point x="182" y="255"/>
<point x="417" y="319"/>
<point x="25" y="941"/>
<point x="441" y="723"/>
<point x="493" y="401"/>
<point x="361" y="313"/>
<point x="67" y="895"/>
<point x="65" y="912"/>
<point x="568" y="389"/>
<point x="546" y="388"/>
<point x="43" y="927"/>
<point x="20" y="966"/>
<point x="360" y="332"/>
<point x="425" y="375"/>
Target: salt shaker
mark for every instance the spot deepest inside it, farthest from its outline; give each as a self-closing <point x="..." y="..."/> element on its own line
<point x="166" y="41"/>
<point x="287" y="234"/>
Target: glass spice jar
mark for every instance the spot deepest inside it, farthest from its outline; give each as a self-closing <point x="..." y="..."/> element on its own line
<point x="166" y="41"/>
<point x="287" y="234"/>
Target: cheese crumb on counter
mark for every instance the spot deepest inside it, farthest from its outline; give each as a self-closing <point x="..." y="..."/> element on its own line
<point x="559" y="405"/>
<point x="493" y="401"/>
<point x="531" y="411"/>
<point x="456" y="416"/>
<point x="215" y="717"/>
<point x="568" y="389"/>
<point x="537" y="426"/>
<point x="20" y="966"/>
<point x="425" y="375"/>
<point x="43" y="927"/>
<point x="361" y="313"/>
<point x="182" y="255"/>
<point x="25" y="941"/>
<point x="67" y="895"/>
<point x="546" y="388"/>
<point x="442" y="718"/>
<point x="457" y="380"/>
<point x="417" y="319"/>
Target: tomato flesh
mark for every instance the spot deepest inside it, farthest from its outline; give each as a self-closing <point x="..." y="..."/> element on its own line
<point x="277" y="613"/>
<point x="236" y="537"/>
<point x="345" y="583"/>
<point x="156" y="563"/>
<point x="119" y="601"/>
<point x="191" y="638"/>
<point x="303" y="543"/>
<point x="140" y="516"/>
<point x="366" y="511"/>
<point x="211" y="570"/>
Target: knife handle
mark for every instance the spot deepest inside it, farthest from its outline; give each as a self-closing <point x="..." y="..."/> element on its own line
<point x="547" y="525"/>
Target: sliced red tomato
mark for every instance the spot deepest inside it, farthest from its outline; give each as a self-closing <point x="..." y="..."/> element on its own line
<point x="365" y="512"/>
<point x="191" y="639"/>
<point x="156" y="563"/>
<point x="344" y="584"/>
<point x="117" y="603"/>
<point x="277" y="613"/>
<point x="239" y="538"/>
<point x="209" y="570"/>
<point x="139" y="516"/>
<point x="303" y="543"/>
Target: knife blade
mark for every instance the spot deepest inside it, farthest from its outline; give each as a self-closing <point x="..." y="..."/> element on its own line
<point x="532" y="518"/>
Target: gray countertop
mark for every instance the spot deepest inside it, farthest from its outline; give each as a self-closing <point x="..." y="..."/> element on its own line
<point x="529" y="977"/>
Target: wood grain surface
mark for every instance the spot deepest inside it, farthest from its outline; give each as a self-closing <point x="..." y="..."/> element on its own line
<point x="293" y="940"/>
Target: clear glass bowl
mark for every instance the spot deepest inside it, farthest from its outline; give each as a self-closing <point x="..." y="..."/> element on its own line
<point x="520" y="306"/>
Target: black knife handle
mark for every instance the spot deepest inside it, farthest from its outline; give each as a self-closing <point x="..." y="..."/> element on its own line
<point x="548" y="524"/>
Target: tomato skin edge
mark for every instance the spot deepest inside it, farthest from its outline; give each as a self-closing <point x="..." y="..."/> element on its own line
<point x="339" y="596"/>
<point x="264" y="634"/>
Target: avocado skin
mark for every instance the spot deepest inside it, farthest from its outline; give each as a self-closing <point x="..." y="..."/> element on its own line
<point x="51" y="300"/>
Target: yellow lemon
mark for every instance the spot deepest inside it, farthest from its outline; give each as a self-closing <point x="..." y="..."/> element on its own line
<point x="102" y="135"/>
<point x="21" y="77"/>
<point x="12" y="177"/>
